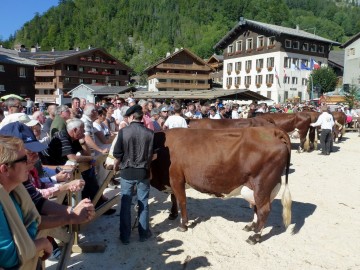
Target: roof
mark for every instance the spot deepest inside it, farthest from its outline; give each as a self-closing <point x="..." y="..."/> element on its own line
<point x="337" y="57"/>
<point x="178" y="52"/>
<point x="273" y="29"/>
<point x="351" y="40"/>
<point x="53" y="57"/>
<point x="235" y="94"/>
<point x="8" y="56"/>
<point x="104" y="90"/>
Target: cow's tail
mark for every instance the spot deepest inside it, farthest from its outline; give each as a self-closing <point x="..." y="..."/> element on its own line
<point x="307" y="141"/>
<point x="316" y="139"/>
<point x="286" y="197"/>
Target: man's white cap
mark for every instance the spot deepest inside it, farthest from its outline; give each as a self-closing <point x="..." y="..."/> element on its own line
<point x="19" y="117"/>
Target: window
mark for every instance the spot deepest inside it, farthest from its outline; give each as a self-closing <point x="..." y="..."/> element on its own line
<point x="231" y="49"/>
<point x="305" y="46"/>
<point x="259" y="63"/>
<point x="268" y="94"/>
<point x="270" y="62"/>
<point x="2" y="68"/>
<point x="229" y="68"/>
<point x="249" y="44"/>
<point x="351" y="51"/>
<point x="81" y="69"/>
<point x="248" y="66"/>
<point x="313" y="48"/>
<point x="117" y="83"/>
<point x="258" y="79"/>
<point x="22" y="72"/>
<point x="296" y="45"/>
<point x="228" y="81"/>
<point x="237" y="80"/>
<point x="239" y="46"/>
<point x="260" y="42"/>
<point x="66" y="79"/>
<point x="247" y="80"/>
<point x="321" y="49"/>
<point x="271" y="41"/>
<point x="286" y="95"/>
<point x="117" y="72"/>
<point x="287" y="43"/>
<point x="93" y="81"/>
<point x="304" y="63"/>
<point x="294" y="80"/>
<point x="304" y="81"/>
<point x="2" y="87"/>
<point x="287" y="62"/>
<point x="81" y="80"/>
<point x="237" y="67"/>
<point x="270" y="78"/>
<point x="286" y="80"/>
<point x="295" y="64"/>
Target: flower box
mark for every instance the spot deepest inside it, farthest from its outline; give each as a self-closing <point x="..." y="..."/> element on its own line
<point x="228" y="72"/>
<point x="269" y="68"/>
<point x="249" y="50"/>
<point x="237" y="71"/>
<point x="258" y="69"/>
<point x="237" y="85"/>
<point x="260" y="48"/>
<point x="271" y="46"/>
<point x="228" y="86"/>
<point x="247" y="70"/>
<point x="238" y="52"/>
<point x="258" y="85"/>
<point x="247" y="85"/>
<point x="268" y="84"/>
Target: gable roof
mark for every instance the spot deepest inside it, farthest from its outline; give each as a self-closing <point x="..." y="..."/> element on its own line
<point x="191" y="54"/>
<point x="103" y="89"/>
<point x="216" y="58"/>
<point x="337" y="58"/>
<point x="271" y="28"/>
<point x="351" y="40"/>
<point x="8" y="56"/>
<point x="53" y="57"/>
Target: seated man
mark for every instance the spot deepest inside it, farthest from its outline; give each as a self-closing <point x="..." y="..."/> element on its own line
<point x="64" y="147"/>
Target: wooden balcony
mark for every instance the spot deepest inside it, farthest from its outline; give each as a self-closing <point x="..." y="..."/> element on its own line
<point x="46" y="98"/>
<point x="44" y="85"/>
<point x="44" y="73"/>
<point x="179" y="76"/>
<point x="182" y="85"/>
<point x="183" y="67"/>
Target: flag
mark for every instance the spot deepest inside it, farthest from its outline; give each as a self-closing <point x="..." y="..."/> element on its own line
<point x="285" y="73"/>
<point x="314" y="64"/>
<point x="304" y="66"/>
<point x="276" y="74"/>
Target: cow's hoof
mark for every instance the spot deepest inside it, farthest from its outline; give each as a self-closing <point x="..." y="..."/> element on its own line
<point x="248" y="228"/>
<point x="253" y="239"/>
<point x="182" y="229"/>
<point x="172" y="216"/>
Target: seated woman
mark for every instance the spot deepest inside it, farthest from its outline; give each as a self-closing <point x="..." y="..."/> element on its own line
<point x="19" y="218"/>
<point x="102" y="135"/>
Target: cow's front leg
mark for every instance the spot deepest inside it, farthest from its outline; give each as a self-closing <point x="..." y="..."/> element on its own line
<point x="174" y="208"/>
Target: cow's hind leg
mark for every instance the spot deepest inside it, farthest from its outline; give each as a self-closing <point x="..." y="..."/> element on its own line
<point x="251" y="225"/>
<point x="178" y="187"/>
<point x="174" y="208"/>
<point x="262" y="213"/>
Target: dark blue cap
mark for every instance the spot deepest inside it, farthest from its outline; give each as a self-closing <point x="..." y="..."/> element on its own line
<point x="133" y="109"/>
<point x="23" y="132"/>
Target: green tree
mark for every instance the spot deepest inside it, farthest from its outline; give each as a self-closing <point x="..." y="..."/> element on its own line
<point x="353" y="96"/>
<point x="324" y="78"/>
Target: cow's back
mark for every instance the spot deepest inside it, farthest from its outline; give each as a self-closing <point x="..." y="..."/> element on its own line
<point x="229" y="123"/>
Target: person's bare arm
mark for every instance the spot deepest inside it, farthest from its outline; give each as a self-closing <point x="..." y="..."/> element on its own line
<point x="90" y="143"/>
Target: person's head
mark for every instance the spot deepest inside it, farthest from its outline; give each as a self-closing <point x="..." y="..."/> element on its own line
<point x="13" y="105"/>
<point x="63" y="111"/>
<point x="36" y="129"/>
<point x="51" y="109"/>
<point x="101" y="114"/>
<point x="222" y="110"/>
<point x="155" y="113"/>
<point x="31" y="144"/>
<point x="13" y="162"/>
<point x="39" y="116"/>
<point x="164" y="111"/>
<point x="123" y="111"/>
<point x="144" y="104"/>
<point x="90" y="111"/>
<point x="212" y="110"/>
<point x="191" y="106"/>
<point x="119" y="103"/>
<point x="135" y="113"/>
<point x="75" y="103"/>
<point x="75" y="129"/>
<point x="177" y="108"/>
<point x="82" y="103"/>
<point x="150" y="105"/>
<point x="109" y="107"/>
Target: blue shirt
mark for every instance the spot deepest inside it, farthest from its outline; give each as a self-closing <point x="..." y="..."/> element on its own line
<point x="8" y="252"/>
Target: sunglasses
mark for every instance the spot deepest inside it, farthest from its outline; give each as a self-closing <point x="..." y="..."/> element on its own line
<point x="17" y="106"/>
<point x="22" y="159"/>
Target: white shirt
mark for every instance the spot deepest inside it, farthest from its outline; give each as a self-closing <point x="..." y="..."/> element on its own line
<point x="175" y="121"/>
<point x="117" y="115"/>
<point x="325" y="120"/>
<point x="216" y="116"/>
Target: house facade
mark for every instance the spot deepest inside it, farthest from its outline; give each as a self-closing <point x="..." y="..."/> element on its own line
<point x="216" y="62"/>
<point x="352" y="62"/>
<point x="272" y="60"/>
<point x="58" y="72"/>
<point x="179" y="71"/>
<point x="16" y="74"/>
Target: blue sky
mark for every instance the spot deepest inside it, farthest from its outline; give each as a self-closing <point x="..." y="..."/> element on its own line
<point x="13" y="14"/>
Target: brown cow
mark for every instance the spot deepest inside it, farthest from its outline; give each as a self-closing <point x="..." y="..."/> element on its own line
<point x="340" y="122"/>
<point x="290" y="122"/>
<point x="207" y="123"/>
<point x="247" y="162"/>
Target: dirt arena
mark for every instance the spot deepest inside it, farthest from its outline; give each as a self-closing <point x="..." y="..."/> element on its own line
<point x="324" y="233"/>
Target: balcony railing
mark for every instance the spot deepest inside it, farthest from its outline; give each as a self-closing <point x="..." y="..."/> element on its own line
<point x="182" y="85"/>
<point x="44" y="85"/>
<point x="44" y="73"/>
<point x="185" y="76"/>
<point x="183" y="67"/>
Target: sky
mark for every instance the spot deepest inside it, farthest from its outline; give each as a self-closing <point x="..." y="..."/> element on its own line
<point x="14" y="14"/>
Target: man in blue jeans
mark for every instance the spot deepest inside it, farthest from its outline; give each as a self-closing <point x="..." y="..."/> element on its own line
<point x="133" y="151"/>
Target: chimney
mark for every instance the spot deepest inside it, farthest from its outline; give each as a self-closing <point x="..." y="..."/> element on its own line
<point x="33" y="49"/>
<point x="90" y="47"/>
<point x="241" y="20"/>
<point x="297" y="28"/>
<point x="176" y="49"/>
<point x="77" y="49"/>
<point x="52" y="49"/>
<point x="167" y="54"/>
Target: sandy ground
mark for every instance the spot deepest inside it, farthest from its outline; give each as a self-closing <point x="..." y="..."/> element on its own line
<point x="324" y="232"/>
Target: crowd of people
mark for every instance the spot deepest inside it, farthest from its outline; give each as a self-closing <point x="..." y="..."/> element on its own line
<point x="39" y="148"/>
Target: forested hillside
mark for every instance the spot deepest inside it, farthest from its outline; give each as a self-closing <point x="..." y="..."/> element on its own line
<point x="141" y="32"/>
